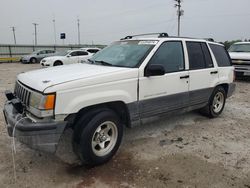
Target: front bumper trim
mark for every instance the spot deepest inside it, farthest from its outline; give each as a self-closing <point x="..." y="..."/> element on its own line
<point x="43" y="136"/>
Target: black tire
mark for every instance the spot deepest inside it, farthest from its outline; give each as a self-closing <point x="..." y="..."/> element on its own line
<point x="210" y="110"/>
<point x="58" y="63"/>
<point x="88" y="149"/>
<point x="33" y="60"/>
<point x="80" y="125"/>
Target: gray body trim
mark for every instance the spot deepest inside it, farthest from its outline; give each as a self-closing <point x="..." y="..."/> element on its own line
<point x="168" y="105"/>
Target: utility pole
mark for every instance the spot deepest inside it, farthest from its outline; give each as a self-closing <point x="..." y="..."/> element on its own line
<point x="35" y="25"/>
<point x="78" y="26"/>
<point x="54" y="24"/>
<point x="14" y="34"/>
<point x="179" y="14"/>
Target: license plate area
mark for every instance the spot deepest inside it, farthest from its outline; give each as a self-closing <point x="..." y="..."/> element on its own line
<point x="246" y="73"/>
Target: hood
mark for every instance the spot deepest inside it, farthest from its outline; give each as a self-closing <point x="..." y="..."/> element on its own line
<point x="53" y="58"/>
<point x="27" y="56"/>
<point x="240" y="55"/>
<point x="48" y="77"/>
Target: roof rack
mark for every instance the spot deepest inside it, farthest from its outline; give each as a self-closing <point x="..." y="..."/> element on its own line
<point x="210" y="39"/>
<point x="160" y="35"/>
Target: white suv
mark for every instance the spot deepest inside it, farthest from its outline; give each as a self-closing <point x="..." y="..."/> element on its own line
<point x="122" y="85"/>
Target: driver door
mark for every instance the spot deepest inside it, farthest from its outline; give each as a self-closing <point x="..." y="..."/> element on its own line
<point x="169" y="92"/>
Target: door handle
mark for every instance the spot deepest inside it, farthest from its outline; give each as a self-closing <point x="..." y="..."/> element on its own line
<point x="184" y="77"/>
<point x="214" y="72"/>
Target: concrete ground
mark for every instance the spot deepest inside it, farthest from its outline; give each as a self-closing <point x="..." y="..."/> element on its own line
<point x="186" y="151"/>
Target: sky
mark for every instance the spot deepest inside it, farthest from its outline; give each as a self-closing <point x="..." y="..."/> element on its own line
<point x="104" y="21"/>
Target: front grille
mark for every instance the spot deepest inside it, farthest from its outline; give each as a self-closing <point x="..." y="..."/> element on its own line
<point x="22" y="93"/>
<point x="240" y="62"/>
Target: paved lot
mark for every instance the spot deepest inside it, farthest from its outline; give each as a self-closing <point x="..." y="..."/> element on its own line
<point x="188" y="150"/>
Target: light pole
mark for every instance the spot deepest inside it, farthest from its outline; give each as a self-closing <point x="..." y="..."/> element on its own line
<point x="35" y="25"/>
<point x="54" y="24"/>
<point x="179" y="13"/>
<point x="78" y="26"/>
<point x="14" y="34"/>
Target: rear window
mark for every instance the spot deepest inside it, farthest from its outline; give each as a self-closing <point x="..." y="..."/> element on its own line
<point x="221" y="55"/>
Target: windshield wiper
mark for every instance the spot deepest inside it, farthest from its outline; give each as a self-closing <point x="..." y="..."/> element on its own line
<point x="101" y="62"/>
<point x="104" y="63"/>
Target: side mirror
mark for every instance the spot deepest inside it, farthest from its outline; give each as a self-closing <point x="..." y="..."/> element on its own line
<point x="38" y="54"/>
<point x="154" y="70"/>
<point x="68" y="56"/>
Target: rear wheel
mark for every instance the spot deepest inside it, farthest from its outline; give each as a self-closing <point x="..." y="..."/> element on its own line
<point x="58" y="63"/>
<point x="100" y="138"/>
<point x="216" y="103"/>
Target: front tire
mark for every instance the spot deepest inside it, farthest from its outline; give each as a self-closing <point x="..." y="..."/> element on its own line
<point x="58" y="63"/>
<point x="216" y="103"/>
<point x="100" y="138"/>
<point x="33" y="60"/>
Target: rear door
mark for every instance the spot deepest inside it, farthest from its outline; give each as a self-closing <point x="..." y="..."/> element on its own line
<point x="203" y="73"/>
<point x="74" y="58"/>
<point x="83" y="56"/>
<point x="169" y="92"/>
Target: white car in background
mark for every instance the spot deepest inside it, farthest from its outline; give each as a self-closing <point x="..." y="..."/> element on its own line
<point x="68" y="57"/>
<point x="91" y="50"/>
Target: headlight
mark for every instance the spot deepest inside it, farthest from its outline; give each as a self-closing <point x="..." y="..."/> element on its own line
<point x="42" y="105"/>
<point x="44" y="60"/>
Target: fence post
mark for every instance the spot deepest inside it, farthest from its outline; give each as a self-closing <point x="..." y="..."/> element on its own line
<point x="10" y="53"/>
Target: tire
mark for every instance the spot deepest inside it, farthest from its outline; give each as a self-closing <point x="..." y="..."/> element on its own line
<point x="58" y="63"/>
<point x="33" y="60"/>
<point x="100" y="138"/>
<point x="216" y="103"/>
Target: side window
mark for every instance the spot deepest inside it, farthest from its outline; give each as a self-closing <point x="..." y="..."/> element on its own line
<point x="93" y="50"/>
<point x="50" y="51"/>
<point x="42" y="52"/>
<point x="73" y="53"/>
<point x="221" y="55"/>
<point x="82" y="53"/>
<point x="195" y="55"/>
<point x="170" y="55"/>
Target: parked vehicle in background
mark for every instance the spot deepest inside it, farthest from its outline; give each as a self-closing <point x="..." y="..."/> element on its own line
<point x="124" y="84"/>
<point x="68" y="57"/>
<point x="91" y="50"/>
<point x="240" y="55"/>
<point x="37" y="56"/>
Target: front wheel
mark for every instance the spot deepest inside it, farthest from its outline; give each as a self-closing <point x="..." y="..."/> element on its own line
<point x="100" y="138"/>
<point x="33" y="60"/>
<point x="216" y="103"/>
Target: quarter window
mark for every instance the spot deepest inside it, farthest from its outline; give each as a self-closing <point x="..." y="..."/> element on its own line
<point x="221" y="55"/>
<point x="170" y="56"/>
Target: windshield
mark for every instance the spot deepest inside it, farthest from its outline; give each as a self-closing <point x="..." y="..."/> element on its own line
<point x="239" y="48"/>
<point x="124" y="53"/>
<point x="35" y="52"/>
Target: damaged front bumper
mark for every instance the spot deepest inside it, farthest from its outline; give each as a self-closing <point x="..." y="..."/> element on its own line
<point x="42" y="136"/>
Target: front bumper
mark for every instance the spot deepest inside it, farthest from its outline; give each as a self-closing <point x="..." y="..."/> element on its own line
<point x="43" y="136"/>
<point x="244" y="69"/>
